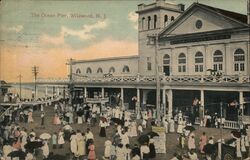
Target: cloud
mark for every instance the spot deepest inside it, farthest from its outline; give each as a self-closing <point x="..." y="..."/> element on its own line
<point x="133" y="17"/>
<point x="52" y="61"/>
<point x="16" y="29"/>
<point x="83" y="34"/>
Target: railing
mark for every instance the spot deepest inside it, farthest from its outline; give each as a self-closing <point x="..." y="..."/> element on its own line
<point x="231" y="124"/>
<point x="149" y="79"/>
<point x="97" y="100"/>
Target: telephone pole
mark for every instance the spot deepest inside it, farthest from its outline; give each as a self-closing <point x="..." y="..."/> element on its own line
<point x="20" y="85"/>
<point x="35" y="72"/>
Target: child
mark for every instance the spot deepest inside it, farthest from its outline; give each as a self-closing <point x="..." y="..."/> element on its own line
<point x="181" y="140"/>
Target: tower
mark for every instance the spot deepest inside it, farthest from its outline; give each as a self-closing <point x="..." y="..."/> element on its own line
<point x="152" y="19"/>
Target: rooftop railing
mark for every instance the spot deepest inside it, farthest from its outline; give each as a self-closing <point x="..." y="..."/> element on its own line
<point x="151" y="79"/>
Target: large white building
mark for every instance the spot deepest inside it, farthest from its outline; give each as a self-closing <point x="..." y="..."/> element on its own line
<point x="201" y="52"/>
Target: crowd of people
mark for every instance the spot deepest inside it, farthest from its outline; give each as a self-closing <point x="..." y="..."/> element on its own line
<point x="126" y="124"/>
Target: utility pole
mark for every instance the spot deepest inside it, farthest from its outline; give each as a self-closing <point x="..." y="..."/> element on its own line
<point x="20" y="85"/>
<point x="35" y="72"/>
<point x="158" y="83"/>
<point x="154" y="39"/>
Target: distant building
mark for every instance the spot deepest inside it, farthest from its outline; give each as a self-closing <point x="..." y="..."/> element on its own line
<point x="3" y="87"/>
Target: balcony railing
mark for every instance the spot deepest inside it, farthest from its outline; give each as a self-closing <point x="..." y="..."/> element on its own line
<point x="243" y="79"/>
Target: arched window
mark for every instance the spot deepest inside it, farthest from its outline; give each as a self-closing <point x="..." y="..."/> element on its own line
<point x="218" y="60"/>
<point x="155" y="21"/>
<point x="172" y="18"/>
<point x="149" y="22"/>
<point x="166" y="60"/>
<point x="125" y="69"/>
<point x="198" y="59"/>
<point x="88" y="71"/>
<point x="166" y="20"/>
<point x="111" y="70"/>
<point x="142" y="23"/>
<point x="239" y="60"/>
<point x="182" y="62"/>
<point x="166" y="64"/>
<point x="99" y="70"/>
<point x="78" y="71"/>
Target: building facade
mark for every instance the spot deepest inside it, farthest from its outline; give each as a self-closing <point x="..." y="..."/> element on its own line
<point x="198" y="53"/>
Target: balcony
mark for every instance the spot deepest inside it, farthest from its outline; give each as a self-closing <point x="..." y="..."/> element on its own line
<point x="182" y="79"/>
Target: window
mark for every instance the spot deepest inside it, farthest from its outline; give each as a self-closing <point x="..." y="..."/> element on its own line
<point x="166" y="59"/>
<point x="112" y="70"/>
<point x="125" y="69"/>
<point x="99" y="70"/>
<point x="142" y="23"/>
<point x="166" y="20"/>
<point x="198" y="62"/>
<point x="239" y="60"/>
<point x="149" y="22"/>
<point x="172" y="18"/>
<point x="155" y="21"/>
<point x="149" y="64"/>
<point x="182" y="62"/>
<point x="218" y="60"/>
<point x="78" y="71"/>
<point x="89" y="71"/>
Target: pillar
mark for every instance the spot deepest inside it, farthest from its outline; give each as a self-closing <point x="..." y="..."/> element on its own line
<point x="164" y="101"/>
<point x="122" y="97"/>
<point x="85" y="92"/>
<point x="46" y="91"/>
<point x="202" y="99"/>
<point x="170" y="103"/>
<point x="58" y="91"/>
<point x="102" y="92"/>
<point x="241" y="100"/>
<point x="138" y="101"/>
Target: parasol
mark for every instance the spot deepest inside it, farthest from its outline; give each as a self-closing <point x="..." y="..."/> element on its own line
<point x="190" y="128"/>
<point x="45" y="136"/>
<point x="80" y="112"/>
<point x="30" y="146"/>
<point x="143" y="139"/>
<point x="117" y="120"/>
<point x="20" y="154"/>
<point x="152" y="134"/>
<point x="209" y="148"/>
<point x="235" y="134"/>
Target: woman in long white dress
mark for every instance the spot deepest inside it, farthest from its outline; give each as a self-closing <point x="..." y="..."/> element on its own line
<point x="107" y="150"/>
<point x="73" y="144"/>
<point x="60" y="139"/>
<point x="81" y="144"/>
<point x="133" y="129"/>
<point x="45" y="149"/>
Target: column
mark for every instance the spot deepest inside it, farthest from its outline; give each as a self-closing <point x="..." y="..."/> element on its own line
<point x="170" y="103"/>
<point x="46" y="91"/>
<point x="241" y="100"/>
<point x="164" y="101"/>
<point x="58" y="91"/>
<point x="122" y="97"/>
<point x="138" y="101"/>
<point x="102" y="92"/>
<point x="201" y="105"/>
<point x="85" y="92"/>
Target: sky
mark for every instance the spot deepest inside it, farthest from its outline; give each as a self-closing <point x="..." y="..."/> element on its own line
<point x="47" y="33"/>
